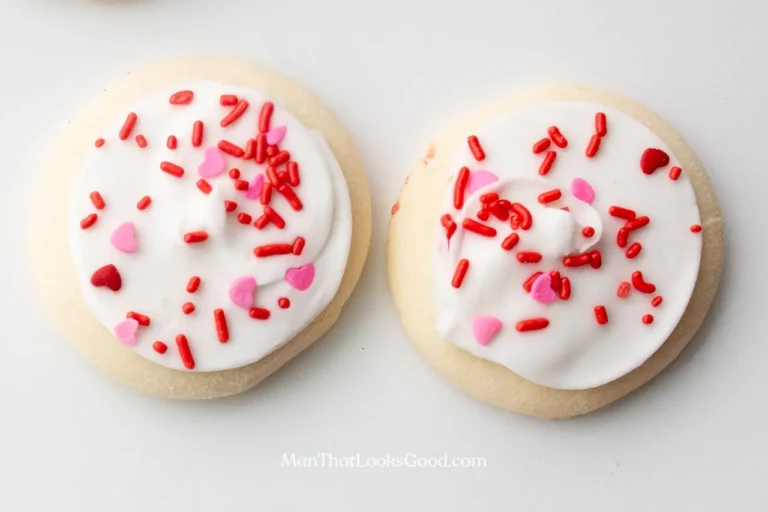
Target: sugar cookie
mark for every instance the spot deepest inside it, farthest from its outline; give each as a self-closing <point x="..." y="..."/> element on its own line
<point x="218" y="219"/>
<point x="553" y="252"/>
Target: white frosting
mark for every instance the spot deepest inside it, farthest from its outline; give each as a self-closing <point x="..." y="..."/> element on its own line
<point x="154" y="278"/>
<point x="573" y="351"/>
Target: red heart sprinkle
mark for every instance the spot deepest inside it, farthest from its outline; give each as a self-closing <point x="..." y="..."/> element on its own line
<point x="107" y="276"/>
<point x="653" y="159"/>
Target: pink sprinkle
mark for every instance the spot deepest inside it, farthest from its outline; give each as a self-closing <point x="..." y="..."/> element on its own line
<point x="125" y="331"/>
<point x="241" y="291"/>
<point x="541" y="290"/>
<point x="124" y="238"/>
<point x="254" y="189"/>
<point x="276" y="135"/>
<point x="479" y="179"/>
<point x="301" y="277"/>
<point x="485" y="328"/>
<point x="213" y="163"/>
<point x="582" y="190"/>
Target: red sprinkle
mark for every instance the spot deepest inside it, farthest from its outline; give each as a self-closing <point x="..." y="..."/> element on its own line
<point x="483" y="215"/>
<point x="141" y="141"/>
<point x="449" y="225"/>
<point x="230" y="206"/>
<point x="622" y="213"/>
<point x="243" y="218"/>
<point x="640" y="284"/>
<point x="228" y="100"/>
<point x="595" y="259"/>
<point x="204" y="186"/>
<point x="234" y="173"/>
<point x="500" y="209"/>
<point x="554" y="280"/>
<point x="128" y="125"/>
<point x="541" y="145"/>
<point x="525" y="218"/>
<point x="235" y="114"/>
<point x="298" y="246"/>
<point x="696" y="228"/>
<point x="637" y="223"/>
<point x="241" y="185"/>
<point x="601" y="315"/>
<point x="476" y="148"/>
<point x="656" y="301"/>
<point x="184" y="352"/>
<point x="623" y="290"/>
<point x="577" y="261"/>
<point x="293" y="174"/>
<point x="528" y="284"/>
<point x="461" y="271"/>
<point x="182" y="98"/>
<point x="621" y="237"/>
<point x="259" y="313"/>
<point x="633" y="250"/>
<point x="266" y="193"/>
<point x="565" y="288"/>
<point x="195" y="237"/>
<point x="193" y="284"/>
<point x="197" y="134"/>
<point x="289" y="194"/>
<point x="557" y="137"/>
<point x="273" y="176"/>
<point x="264" y="251"/>
<point x="283" y="303"/>
<point x="588" y="232"/>
<point x="188" y="308"/>
<point x="171" y="143"/>
<point x="594" y="145"/>
<point x="142" y="319"/>
<point x="172" y="169"/>
<point x="231" y="149"/>
<point x="260" y="153"/>
<point x="274" y="217"/>
<point x="89" y="221"/>
<point x="481" y="229"/>
<point x="647" y="319"/>
<point x="550" y="196"/>
<point x="280" y="158"/>
<point x="221" y="325"/>
<point x="510" y="242"/>
<point x="250" y="149"/>
<point x="144" y="203"/>
<point x="265" y="116"/>
<point x="261" y="222"/>
<point x="99" y="143"/>
<point x="97" y="200"/>
<point x="546" y="164"/>
<point x="489" y="198"/>
<point x="528" y="257"/>
<point x="532" y="324"/>
<point x="601" y="127"/>
<point x="674" y="173"/>
<point x="160" y="347"/>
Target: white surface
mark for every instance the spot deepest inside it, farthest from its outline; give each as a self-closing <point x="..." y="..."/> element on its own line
<point x="694" y="439"/>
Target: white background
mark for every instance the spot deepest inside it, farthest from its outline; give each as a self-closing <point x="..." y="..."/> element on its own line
<point x="695" y="439"/>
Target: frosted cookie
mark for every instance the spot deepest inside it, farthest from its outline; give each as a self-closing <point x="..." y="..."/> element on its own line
<point x="553" y="252"/>
<point x="199" y="225"/>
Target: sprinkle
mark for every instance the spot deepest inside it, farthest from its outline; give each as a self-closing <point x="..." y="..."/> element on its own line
<point x="696" y="228"/>
<point x="601" y="127"/>
<point x="204" y="186"/>
<point x="582" y="190"/>
<point x="266" y="193"/>
<point x="272" y="176"/>
<point x="172" y="169"/>
<point x="622" y="213"/>
<point x="195" y="237"/>
<point x="550" y="196"/>
<point x="184" y="352"/>
<point x="459" y="186"/>
<point x="89" y="221"/>
<point x="280" y="158"/>
<point x="489" y="198"/>
<point x="228" y="100"/>
<point x="234" y="173"/>
<point x="97" y="200"/>
<point x="528" y="257"/>
<point x="637" y="223"/>
<point x="188" y="308"/>
<point x="264" y="251"/>
<point x="483" y="215"/>
<point x="271" y="150"/>
<point x="623" y="290"/>
<point x="450" y="227"/>
<point x="633" y="250"/>
<point x="526" y="220"/>
<point x="594" y="145"/>
<point x="259" y="313"/>
<point x="193" y="284"/>
<point x="656" y="301"/>
<point x="274" y="217"/>
<point x="674" y="173"/>
<point x="261" y="222"/>
<point x="108" y="276"/>
<point x="221" y="325"/>
<point x="298" y="246"/>
<point x="510" y="242"/>
<point x="576" y="261"/>
<point x="241" y="185"/>
<point x="588" y="232"/>
<point x="621" y="237"/>
<point x="546" y="164"/>
<point x="144" y="203"/>
<point x="231" y="149"/>
<point x="265" y="116"/>
<point x="555" y="282"/>
<point x="143" y="320"/>
<point x="461" y="271"/>
<point x="127" y="128"/>
<point x="230" y="206"/>
<point x="647" y="319"/>
<point x="141" y="141"/>
<point x="293" y="174"/>
<point x="481" y="229"/>
<point x="475" y="148"/>
<point x="260" y="154"/>
<point x="652" y="159"/>
<point x="532" y="324"/>
<point x="289" y="194"/>
<point x="243" y="218"/>
<point x="640" y="284"/>
<point x="159" y="347"/>
<point x="99" y="143"/>
<point x="197" y="134"/>
<point x="235" y="114"/>
<point x="541" y="145"/>
<point x="565" y="288"/>
<point x="250" y="149"/>
<point x="182" y="98"/>
<point x="528" y="284"/>
<point x="601" y="315"/>
<point x="171" y="143"/>
<point x="595" y="259"/>
<point x="557" y="137"/>
<point x="500" y="209"/>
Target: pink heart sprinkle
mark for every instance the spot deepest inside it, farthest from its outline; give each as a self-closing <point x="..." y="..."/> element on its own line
<point x="276" y="135"/>
<point x="479" y="179"/>
<point x="125" y="331"/>
<point x="241" y="291"/>
<point x="124" y="238"/>
<point x="541" y="290"/>
<point x="484" y="328"/>
<point x="301" y="277"/>
<point x="582" y="190"/>
<point x="254" y="190"/>
<point x="213" y="163"/>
